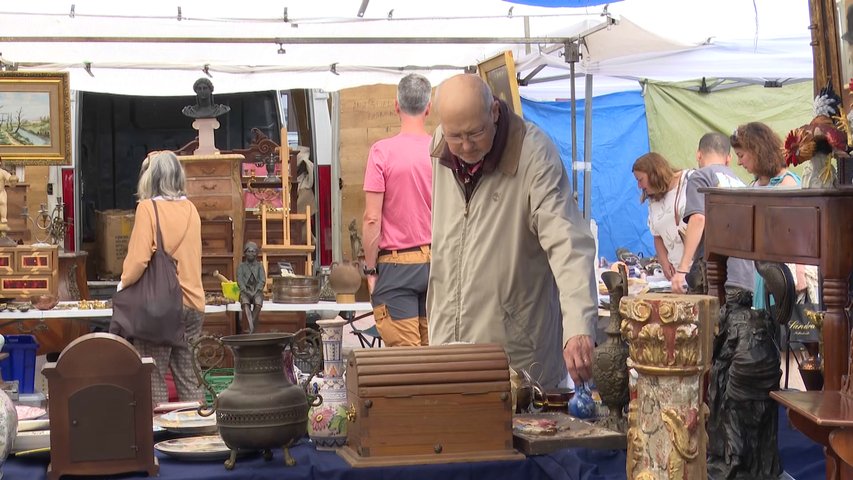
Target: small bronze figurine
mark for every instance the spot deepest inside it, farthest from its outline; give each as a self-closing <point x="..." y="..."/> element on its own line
<point x="204" y="107"/>
<point x="251" y="279"/>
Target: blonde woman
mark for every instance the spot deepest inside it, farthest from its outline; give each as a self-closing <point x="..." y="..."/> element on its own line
<point x="664" y="188"/>
<point x="162" y="180"/>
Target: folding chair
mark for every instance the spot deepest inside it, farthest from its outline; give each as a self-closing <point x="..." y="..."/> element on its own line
<point x="368" y="337"/>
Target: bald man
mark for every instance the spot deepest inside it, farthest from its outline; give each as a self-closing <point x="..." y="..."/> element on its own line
<point x="512" y="258"/>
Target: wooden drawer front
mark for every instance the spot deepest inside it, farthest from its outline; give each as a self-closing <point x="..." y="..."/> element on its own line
<point x="216" y="228"/>
<point x="35" y="262"/>
<point x="26" y="285"/>
<point x="734" y="231"/>
<point x="208" y="265"/>
<point x="212" y="204"/>
<point x="212" y="168"/>
<point x="209" y="186"/>
<point x="216" y="236"/>
<point x="7" y="263"/>
<point x="792" y="231"/>
<point x="217" y="244"/>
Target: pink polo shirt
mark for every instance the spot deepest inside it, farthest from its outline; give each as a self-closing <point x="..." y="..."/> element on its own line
<point x="401" y="167"/>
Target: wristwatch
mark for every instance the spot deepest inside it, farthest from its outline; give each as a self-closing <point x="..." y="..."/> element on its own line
<point x="369" y="271"/>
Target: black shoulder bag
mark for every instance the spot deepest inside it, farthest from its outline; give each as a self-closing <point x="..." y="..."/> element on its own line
<point x="151" y="309"/>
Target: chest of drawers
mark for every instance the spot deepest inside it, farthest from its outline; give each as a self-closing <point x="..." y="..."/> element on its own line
<point x="214" y="185"/>
<point x="27" y="270"/>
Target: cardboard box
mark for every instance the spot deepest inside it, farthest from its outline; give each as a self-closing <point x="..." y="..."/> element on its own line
<point x="111" y="238"/>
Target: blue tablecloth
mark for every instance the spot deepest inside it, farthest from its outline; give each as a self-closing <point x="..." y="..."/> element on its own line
<point x="574" y="464"/>
<point x="801" y="458"/>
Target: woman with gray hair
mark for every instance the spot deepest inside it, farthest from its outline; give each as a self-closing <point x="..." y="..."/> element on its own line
<point x="162" y="180"/>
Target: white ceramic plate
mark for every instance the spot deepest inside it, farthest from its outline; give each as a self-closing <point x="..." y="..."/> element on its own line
<point x="208" y="447"/>
<point x="31" y="425"/>
<point x="31" y="440"/>
<point x="186" y="421"/>
<point x="26" y="412"/>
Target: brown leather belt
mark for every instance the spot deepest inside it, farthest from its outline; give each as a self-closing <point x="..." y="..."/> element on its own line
<point x="404" y="250"/>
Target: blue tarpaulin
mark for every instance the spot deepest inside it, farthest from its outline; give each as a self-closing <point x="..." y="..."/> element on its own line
<point x="619" y="136"/>
<point x="562" y="3"/>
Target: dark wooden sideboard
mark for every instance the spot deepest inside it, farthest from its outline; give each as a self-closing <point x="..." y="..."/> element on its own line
<point x="809" y="227"/>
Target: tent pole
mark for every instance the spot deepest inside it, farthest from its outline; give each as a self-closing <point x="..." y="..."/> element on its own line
<point x="337" y="254"/>
<point x="587" y="147"/>
<point x="574" y="133"/>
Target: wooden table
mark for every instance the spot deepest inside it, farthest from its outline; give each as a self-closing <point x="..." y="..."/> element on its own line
<point x="809" y="227"/>
<point x="826" y="418"/>
<point x="56" y="328"/>
<point x="290" y="317"/>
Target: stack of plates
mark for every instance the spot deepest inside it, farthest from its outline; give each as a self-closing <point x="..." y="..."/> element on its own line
<point x="187" y="422"/>
<point x="33" y="431"/>
<point x="208" y="447"/>
<point x="31" y="442"/>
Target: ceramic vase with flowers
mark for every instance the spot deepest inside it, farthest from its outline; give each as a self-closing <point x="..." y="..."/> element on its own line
<point x="825" y="138"/>
<point x="327" y="423"/>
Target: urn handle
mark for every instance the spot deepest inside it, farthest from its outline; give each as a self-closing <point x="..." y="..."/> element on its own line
<point x="351" y="413"/>
<point x="308" y="347"/>
<point x="207" y="350"/>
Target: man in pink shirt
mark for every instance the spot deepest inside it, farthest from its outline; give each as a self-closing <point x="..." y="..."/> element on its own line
<point x="397" y="220"/>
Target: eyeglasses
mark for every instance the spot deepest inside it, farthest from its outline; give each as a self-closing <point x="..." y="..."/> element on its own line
<point x="466" y="137"/>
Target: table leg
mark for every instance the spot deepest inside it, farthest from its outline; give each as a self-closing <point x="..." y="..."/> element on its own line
<point x="835" y="332"/>
<point x="717" y="272"/>
<point x="820" y="435"/>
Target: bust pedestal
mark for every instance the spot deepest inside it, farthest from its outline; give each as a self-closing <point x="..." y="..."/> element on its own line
<point x="205" y="127"/>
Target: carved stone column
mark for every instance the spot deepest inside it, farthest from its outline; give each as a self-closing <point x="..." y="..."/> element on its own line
<point x="669" y="344"/>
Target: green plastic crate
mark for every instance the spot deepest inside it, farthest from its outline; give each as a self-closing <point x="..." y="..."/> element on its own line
<point x="219" y="379"/>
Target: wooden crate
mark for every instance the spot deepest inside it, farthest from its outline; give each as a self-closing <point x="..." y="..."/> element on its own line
<point x="437" y="404"/>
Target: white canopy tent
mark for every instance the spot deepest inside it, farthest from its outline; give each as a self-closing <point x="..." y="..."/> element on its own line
<point x="160" y="47"/>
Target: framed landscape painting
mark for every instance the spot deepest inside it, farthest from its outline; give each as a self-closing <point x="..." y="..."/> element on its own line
<point x="35" y="118"/>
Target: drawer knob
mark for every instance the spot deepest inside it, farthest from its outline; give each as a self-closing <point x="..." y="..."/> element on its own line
<point x="209" y="170"/>
<point x="208" y="204"/>
<point x="208" y="187"/>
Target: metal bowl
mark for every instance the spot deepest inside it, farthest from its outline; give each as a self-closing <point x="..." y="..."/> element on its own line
<point x="296" y="289"/>
<point x="44" y="302"/>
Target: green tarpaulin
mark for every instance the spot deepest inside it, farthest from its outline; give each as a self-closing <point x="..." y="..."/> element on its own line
<point x="678" y="114"/>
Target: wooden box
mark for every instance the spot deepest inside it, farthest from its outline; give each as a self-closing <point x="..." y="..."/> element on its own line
<point x="27" y="270"/>
<point x="437" y="404"/>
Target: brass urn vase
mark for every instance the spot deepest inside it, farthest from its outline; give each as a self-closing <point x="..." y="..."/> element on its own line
<point x="262" y="409"/>
<point x="610" y="362"/>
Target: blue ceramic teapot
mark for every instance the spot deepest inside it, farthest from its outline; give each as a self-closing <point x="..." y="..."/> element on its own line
<point x="582" y="404"/>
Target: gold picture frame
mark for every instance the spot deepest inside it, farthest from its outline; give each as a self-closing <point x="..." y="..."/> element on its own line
<point x="35" y="118"/>
<point x="499" y="74"/>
